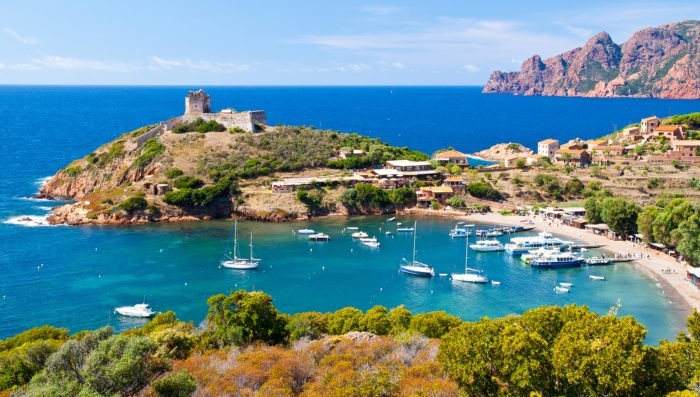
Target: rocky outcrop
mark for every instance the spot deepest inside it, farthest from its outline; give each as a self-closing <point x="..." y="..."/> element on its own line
<point x="503" y="151"/>
<point x="659" y="62"/>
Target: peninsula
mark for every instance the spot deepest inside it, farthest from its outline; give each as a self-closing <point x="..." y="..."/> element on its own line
<point x="660" y="62"/>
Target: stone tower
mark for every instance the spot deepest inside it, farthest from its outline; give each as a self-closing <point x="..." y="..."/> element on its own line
<point x="197" y="102"/>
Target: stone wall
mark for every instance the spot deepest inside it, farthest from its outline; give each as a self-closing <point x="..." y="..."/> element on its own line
<point x="243" y="120"/>
<point x="155" y="131"/>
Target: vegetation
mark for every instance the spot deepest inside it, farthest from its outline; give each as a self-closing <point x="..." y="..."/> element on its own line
<point x="243" y="351"/>
<point x="483" y="190"/>
<point x="173" y="173"/>
<point x="150" y="149"/>
<point x="73" y="171"/>
<point x="617" y="212"/>
<point x="185" y="182"/>
<point x="365" y="197"/>
<point x="198" y="125"/>
<point x="188" y="197"/>
<point x="133" y="204"/>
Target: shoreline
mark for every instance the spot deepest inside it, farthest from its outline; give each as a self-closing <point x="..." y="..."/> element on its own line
<point x="652" y="264"/>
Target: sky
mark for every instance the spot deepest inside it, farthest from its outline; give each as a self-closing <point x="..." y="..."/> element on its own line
<point x="303" y="42"/>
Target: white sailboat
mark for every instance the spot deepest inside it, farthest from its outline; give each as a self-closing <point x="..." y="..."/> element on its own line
<point x="231" y="259"/>
<point x="414" y="267"/>
<point x="469" y="275"/>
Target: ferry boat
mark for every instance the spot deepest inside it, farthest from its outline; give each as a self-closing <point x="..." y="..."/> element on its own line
<point x="487" y="245"/>
<point x="521" y="245"/>
<point x="556" y="261"/>
<point x="542" y="251"/>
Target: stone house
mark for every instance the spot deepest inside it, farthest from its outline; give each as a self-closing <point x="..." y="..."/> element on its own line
<point x="670" y="132"/>
<point x="458" y="185"/>
<point x="649" y="124"/>
<point x="452" y="156"/>
<point x="426" y="194"/>
<point x="579" y="157"/>
<point x="685" y="148"/>
<point x="547" y="148"/>
<point x="631" y="134"/>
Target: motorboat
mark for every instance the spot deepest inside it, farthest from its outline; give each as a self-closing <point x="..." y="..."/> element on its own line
<point x="306" y="231"/>
<point x="557" y="261"/>
<point x="352" y="228"/>
<point x="469" y="275"/>
<point x="232" y="260"/>
<point x="393" y="218"/>
<point x="405" y="229"/>
<point x="487" y="245"/>
<point x="560" y="290"/>
<point x="138" y="310"/>
<point x="597" y="260"/>
<point x="566" y="285"/>
<point x="521" y="245"/>
<point x="596" y="278"/>
<point x="319" y="237"/>
<point x="370" y="242"/>
<point x="359" y="234"/>
<point x="414" y="267"/>
<point x="542" y="251"/>
<point x="461" y="230"/>
<point x="493" y="233"/>
<point x="494" y="282"/>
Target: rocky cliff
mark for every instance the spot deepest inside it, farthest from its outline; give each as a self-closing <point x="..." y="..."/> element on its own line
<point x="659" y="62"/>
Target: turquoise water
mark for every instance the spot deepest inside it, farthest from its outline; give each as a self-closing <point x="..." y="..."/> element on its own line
<point x="175" y="267"/>
<point x="74" y="276"/>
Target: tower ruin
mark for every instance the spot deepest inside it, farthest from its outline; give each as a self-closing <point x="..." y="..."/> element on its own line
<point x="197" y="102"/>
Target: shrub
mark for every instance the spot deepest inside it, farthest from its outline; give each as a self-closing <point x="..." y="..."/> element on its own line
<point x="179" y="384"/>
<point x="133" y="204"/>
<point x="484" y="191"/>
<point x="150" y="149"/>
<point x="456" y="202"/>
<point x="236" y="130"/>
<point x="188" y="197"/>
<point x="191" y="182"/>
<point x="173" y="173"/>
<point x="73" y="171"/>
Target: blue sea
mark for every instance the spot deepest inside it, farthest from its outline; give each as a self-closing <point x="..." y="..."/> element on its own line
<point x="74" y="276"/>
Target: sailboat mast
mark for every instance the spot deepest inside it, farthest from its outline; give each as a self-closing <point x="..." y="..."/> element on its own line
<point x="251" y="246"/>
<point x="235" y="239"/>
<point x="415" y="231"/>
<point x="466" y="253"/>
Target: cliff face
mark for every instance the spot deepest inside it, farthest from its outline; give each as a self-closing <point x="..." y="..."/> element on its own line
<point x="659" y="62"/>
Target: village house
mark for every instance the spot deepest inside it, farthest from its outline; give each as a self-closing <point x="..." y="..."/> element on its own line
<point x="670" y="132"/>
<point x="579" y="157"/>
<point x="649" y="124"/>
<point x="458" y="185"/>
<point x="630" y="134"/>
<point x="344" y="154"/>
<point x="426" y="194"/>
<point x="685" y="148"/>
<point x="453" y="157"/>
<point x="407" y="168"/>
<point x="547" y="148"/>
<point x="289" y="185"/>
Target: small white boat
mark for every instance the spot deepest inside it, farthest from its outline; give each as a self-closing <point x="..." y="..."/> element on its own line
<point x="393" y="218"/>
<point x="461" y="230"/>
<point x="306" y="231"/>
<point x="352" y="228"/>
<point x="370" y="242"/>
<point x="319" y="237"/>
<point x="404" y="229"/>
<point x="443" y="274"/>
<point x="561" y="290"/>
<point x="596" y="278"/>
<point x="388" y="233"/>
<point x="360" y="235"/>
<point x="487" y="246"/>
<point x="494" y="282"/>
<point x="566" y="285"/>
<point x="138" y="310"/>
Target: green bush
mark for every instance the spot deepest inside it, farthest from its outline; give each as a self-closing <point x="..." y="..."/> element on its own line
<point x="483" y="190"/>
<point x="150" y="149"/>
<point x="198" y="125"/>
<point x="133" y="204"/>
<point x="188" y="197"/>
<point x="190" y="182"/>
<point x="73" y="171"/>
<point x="179" y="384"/>
<point x="173" y="173"/>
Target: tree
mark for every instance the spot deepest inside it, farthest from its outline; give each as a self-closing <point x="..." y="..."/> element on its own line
<point x="573" y="187"/>
<point x="593" y="206"/>
<point x="244" y="317"/>
<point x="344" y="320"/>
<point x="620" y="215"/>
<point x="688" y="240"/>
<point x="456" y="202"/>
<point x="400" y="319"/>
<point x="434" y="324"/>
<point x="669" y="218"/>
<point x="376" y="321"/>
<point x="179" y="384"/>
<point x="403" y="197"/>
<point x="645" y="222"/>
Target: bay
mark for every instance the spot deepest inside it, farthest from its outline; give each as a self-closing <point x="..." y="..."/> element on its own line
<point x="74" y="276"/>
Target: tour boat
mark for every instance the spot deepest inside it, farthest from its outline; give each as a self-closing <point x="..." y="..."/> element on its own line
<point x="487" y="245"/>
<point x="521" y="245"/>
<point x="556" y="261"/>
<point x="532" y="254"/>
<point x="231" y="260"/>
<point x="319" y="237"/>
<point x="469" y="275"/>
<point x="415" y="267"/>
<point x="138" y="310"/>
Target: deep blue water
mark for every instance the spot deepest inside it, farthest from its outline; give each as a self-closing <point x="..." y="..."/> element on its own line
<point x="74" y="276"/>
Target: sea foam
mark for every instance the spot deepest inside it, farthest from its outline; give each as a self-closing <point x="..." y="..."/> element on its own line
<point x="28" y="220"/>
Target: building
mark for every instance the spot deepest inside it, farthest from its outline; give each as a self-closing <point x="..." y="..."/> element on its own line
<point x="456" y="183"/>
<point x="198" y="105"/>
<point x="453" y="157"/>
<point x="399" y="168"/>
<point x="344" y="154"/>
<point x="579" y="157"/>
<point x="670" y="132"/>
<point x="630" y="134"/>
<point x="439" y="193"/>
<point x="684" y="148"/>
<point x="649" y="124"/>
<point x="547" y="148"/>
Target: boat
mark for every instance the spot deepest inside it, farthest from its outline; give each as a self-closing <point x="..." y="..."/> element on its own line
<point x="494" y="282"/>
<point x="521" y="245"/>
<point x="306" y="231"/>
<point x="596" y="278"/>
<point x="415" y="267"/>
<point x="487" y="245"/>
<point x="405" y="229"/>
<point x="388" y="233"/>
<point x="319" y="237"/>
<point x="231" y="260"/>
<point x="532" y="254"/>
<point x="461" y="230"/>
<point x="359" y="235"/>
<point x="566" y="285"/>
<point x="560" y="290"/>
<point x="138" y="310"/>
<point x="370" y="242"/>
<point x="469" y="275"/>
<point x="557" y="261"/>
<point x="585" y="246"/>
<point x="597" y="260"/>
<point x="352" y="228"/>
<point x="493" y="233"/>
<point x="393" y="218"/>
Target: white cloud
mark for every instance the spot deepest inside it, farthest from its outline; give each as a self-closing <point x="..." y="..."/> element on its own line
<point x="379" y="10"/>
<point x="21" y="39"/>
<point x="70" y="63"/>
<point x="471" y="68"/>
<point x="160" y="64"/>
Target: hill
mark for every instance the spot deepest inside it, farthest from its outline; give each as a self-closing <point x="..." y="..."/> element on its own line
<point x="660" y="62"/>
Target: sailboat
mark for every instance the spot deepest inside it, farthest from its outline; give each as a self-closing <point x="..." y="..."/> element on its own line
<point x="235" y="262"/>
<point x="469" y="275"/>
<point x="414" y="267"/>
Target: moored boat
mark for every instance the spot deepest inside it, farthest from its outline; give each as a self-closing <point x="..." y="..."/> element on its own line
<point x="560" y="290"/>
<point x="319" y="237"/>
<point x="370" y="242"/>
<point x="487" y="246"/>
<point x="521" y="245"/>
<point x="596" y="278"/>
<point x="414" y="267"/>
<point x="138" y="310"/>
<point x="469" y="275"/>
<point x="359" y="234"/>
<point x="557" y="261"/>
<point x="597" y="260"/>
<point x="461" y="230"/>
<point x="231" y="260"/>
<point x="306" y="231"/>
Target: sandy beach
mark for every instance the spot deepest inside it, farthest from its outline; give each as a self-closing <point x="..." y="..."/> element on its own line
<point x="663" y="268"/>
